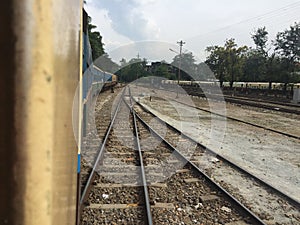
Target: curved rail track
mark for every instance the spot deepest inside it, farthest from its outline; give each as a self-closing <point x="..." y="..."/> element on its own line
<point x="202" y="158"/>
<point x="130" y="183"/>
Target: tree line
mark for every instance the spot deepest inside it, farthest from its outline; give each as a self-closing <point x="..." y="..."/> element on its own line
<point x="276" y="62"/>
<point x="100" y="57"/>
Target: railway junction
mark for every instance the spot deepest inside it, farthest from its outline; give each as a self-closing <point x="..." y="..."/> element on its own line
<point x="169" y="158"/>
<point x="78" y="146"/>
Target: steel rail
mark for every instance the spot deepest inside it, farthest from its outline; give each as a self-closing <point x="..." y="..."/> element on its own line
<point x="264" y="101"/>
<point x="146" y="193"/>
<point x="243" y="208"/>
<point x="278" y="107"/>
<point x="259" y="105"/>
<point x="241" y="121"/>
<point x="100" y="154"/>
<point x="290" y="199"/>
<point x="295" y="105"/>
<point x="144" y="180"/>
<point x="288" y="104"/>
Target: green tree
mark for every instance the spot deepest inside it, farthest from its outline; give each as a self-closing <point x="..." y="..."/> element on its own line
<point x="287" y="45"/>
<point x="255" y="67"/>
<point x="204" y="72"/>
<point x="100" y="58"/>
<point x="163" y="70"/>
<point x="274" y="69"/>
<point x="227" y="61"/>
<point x="132" y="70"/>
<point x="260" y="38"/>
<point x="216" y="62"/>
<point x="235" y="59"/>
<point x="95" y="40"/>
<point x="187" y="65"/>
<point x="254" y="63"/>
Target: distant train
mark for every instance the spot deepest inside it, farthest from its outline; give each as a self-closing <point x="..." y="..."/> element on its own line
<point x="102" y="76"/>
<point x="238" y="85"/>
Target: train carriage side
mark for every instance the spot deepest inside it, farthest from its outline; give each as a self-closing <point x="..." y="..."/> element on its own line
<point x="41" y="66"/>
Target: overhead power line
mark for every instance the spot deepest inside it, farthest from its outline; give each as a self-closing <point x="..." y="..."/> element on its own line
<point x="263" y="17"/>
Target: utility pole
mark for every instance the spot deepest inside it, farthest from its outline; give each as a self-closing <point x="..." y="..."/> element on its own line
<point x="181" y="43"/>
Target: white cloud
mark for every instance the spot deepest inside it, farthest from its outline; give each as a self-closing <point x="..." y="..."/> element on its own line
<point x="200" y="23"/>
<point x="127" y="19"/>
<point x="111" y="38"/>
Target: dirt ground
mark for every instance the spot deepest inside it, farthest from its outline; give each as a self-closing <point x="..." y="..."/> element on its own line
<point x="284" y="122"/>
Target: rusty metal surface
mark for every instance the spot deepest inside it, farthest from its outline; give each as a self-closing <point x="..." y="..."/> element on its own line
<point x="40" y="66"/>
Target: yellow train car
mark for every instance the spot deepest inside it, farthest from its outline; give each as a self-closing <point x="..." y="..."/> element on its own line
<point x="40" y="62"/>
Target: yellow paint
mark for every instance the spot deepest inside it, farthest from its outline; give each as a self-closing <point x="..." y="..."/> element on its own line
<point x="39" y="109"/>
<point x="48" y="56"/>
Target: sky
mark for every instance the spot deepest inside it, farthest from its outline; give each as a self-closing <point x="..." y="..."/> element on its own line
<point x="149" y="28"/>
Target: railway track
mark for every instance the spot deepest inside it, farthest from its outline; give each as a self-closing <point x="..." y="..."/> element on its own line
<point x="281" y="107"/>
<point x="206" y="158"/>
<point x="270" y="105"/>
<point x="239" y="120"/>
<point x="293" y="105"/>
<point x="97" y="123"/>
<point x="136" y="182"/>
<point x="198" y="104"/>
